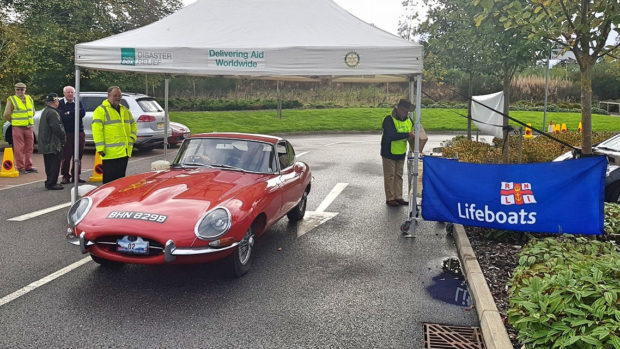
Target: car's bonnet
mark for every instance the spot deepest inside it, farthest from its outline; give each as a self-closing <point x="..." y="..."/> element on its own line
<point x="184" y="192"/>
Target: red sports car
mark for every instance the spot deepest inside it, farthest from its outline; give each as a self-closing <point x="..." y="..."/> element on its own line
<point x="222" y="191"/>
<point x="179" y="133"/>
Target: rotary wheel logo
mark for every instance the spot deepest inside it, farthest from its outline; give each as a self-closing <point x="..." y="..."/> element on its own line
<point x="352" y="59"/>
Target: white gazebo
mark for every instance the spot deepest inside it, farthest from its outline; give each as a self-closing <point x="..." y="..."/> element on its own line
<point x="283" y="40"/>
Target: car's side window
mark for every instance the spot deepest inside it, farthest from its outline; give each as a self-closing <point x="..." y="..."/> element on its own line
<point x="91" y="103"/>
<point x="283" y="156"/>
<point x="291" y="153"/>
<point x="124" y="102"/>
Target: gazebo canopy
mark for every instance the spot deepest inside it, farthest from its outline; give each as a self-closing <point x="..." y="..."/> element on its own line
<point x="296" y="40"/>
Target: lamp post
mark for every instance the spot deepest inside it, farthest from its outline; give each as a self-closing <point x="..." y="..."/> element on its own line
<point x="546" y="90"/>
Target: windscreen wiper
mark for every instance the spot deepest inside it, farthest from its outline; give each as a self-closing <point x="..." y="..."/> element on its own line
<point x="184" y="164"/>
<point x="227" y="167"/>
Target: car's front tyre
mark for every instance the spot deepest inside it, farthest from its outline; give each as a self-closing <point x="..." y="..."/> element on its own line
<point x="298" y="212"/>
<point x="243" y="255"/>
<point x="106" y="262"/>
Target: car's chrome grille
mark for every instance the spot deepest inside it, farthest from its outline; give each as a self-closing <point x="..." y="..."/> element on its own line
<point x="108" y="243"/>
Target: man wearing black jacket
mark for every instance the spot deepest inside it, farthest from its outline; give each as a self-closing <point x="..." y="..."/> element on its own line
<point x="397" y="129"/>
<point x="51" y="141"/>
<point x="66" y="108"/>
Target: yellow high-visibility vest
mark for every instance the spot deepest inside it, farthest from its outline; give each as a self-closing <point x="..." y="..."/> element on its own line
<point x="399" y="147"/>
<point x="120" y="131"/>
<point x="23" y="114"/>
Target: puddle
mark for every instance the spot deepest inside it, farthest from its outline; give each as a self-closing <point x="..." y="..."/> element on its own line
<point x="450" y="286"/>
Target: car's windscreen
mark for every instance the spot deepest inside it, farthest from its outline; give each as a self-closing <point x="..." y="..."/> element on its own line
<point x="612" y="143"/>
<point x="232" y="154"/>
<point x="149" y="105"/>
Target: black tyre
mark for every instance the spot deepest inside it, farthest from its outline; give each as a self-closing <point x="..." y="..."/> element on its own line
<point x="298" y="212"/>
<point x="241" y="259"/>
<point x="105" y="262"/>
<point x="612" y="192"/>
<point x="8" y="137"/>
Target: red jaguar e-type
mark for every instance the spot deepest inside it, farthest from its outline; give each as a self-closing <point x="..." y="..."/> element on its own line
<point x="222" y="191"/>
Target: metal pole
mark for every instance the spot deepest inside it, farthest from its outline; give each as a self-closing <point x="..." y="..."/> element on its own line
<point x="167" y="118"/>
<point x="146" y="81"/>
<point x="546" y="90"/>
<point x="520" y="143"/>
<point x="76" y="135"/>
<point x="279" y="100"/>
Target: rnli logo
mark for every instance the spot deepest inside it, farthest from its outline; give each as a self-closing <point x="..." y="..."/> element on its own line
<point x="517" y="193"/>
<point x="352" y="59"/>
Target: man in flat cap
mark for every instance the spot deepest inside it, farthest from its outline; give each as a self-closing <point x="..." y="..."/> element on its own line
<point x="397" y="129"/>
<point x="19" y="111"/>
<point x="51" y="140"/>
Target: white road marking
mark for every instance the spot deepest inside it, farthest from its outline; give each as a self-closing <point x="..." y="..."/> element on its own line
<point x="338" y="188"/>
<point x="39" y="212"/>
<point x="346" y="142"/>
<point x="313" y="219"/>
<point x="301" y="154"/>
<point x="83" y="172"/>
<point x="33" y="286"/>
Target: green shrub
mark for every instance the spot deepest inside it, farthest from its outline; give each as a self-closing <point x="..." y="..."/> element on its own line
<point x="612" y="218"/>
<point x="211" y="104"/>
<point x="564" y="294"/>
<point x="537" y="149"/>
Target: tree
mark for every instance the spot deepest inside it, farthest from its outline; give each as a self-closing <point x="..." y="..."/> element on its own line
<point x="51" y="28"/>
<point x="454" y="38"/>
<point x="408" y="21"/>
<point x="478" y="47"/>
<point x="581" y="26"/>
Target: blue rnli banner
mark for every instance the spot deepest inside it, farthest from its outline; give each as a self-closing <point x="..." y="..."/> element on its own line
<point x="552" y="197"/>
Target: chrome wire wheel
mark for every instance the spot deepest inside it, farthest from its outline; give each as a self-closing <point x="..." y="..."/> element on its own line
<point x="245" y="247"/>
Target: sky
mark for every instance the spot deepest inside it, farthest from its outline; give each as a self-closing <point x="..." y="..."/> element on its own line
<point x="382" y="13"/>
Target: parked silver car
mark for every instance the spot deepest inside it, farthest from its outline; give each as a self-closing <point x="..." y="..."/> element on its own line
<point x="610" y="148"/>
<point x="149" y="116"/>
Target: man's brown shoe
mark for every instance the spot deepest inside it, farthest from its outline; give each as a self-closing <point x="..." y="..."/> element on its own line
<point x="402" y="202"/>
<point x="392" y="203"/>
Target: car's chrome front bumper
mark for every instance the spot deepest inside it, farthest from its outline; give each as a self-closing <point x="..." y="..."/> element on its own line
<point x="170" y="250"/>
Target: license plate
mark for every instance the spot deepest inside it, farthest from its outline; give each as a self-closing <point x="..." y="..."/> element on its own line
<point x="137" y="246"/>
<point x="160" y="125"/>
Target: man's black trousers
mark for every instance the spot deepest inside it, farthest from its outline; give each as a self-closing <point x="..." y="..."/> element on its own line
<point x="52" y="168"/>
<point x="114" y="169"/>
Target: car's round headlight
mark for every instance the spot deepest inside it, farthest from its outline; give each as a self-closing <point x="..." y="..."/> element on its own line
<point x="213" y="224"/>
<point x="78" y="211"/>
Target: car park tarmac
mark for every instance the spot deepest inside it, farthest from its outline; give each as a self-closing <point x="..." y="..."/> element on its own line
<point x="349" y="280"/>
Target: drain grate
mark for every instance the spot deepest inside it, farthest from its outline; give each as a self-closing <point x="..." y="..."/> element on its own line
<point x="454" y="337"/>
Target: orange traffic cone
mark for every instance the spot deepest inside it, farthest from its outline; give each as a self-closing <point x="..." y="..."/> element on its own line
<point x="564" y="128"/>
<point x="8" y="165"/>
<point x="579" y="127"/>
<point x="528" y="131"/>
<point x="97" y="170"/>
<point x="550" y="129"/>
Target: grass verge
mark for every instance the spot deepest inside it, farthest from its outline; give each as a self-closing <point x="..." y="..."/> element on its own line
<point x="358" y="119"/>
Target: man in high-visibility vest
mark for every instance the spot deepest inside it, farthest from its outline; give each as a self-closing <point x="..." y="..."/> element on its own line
<point x="397" y="129"/>
<point x="114" y="133"/>
<point x="19" y="111"/>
